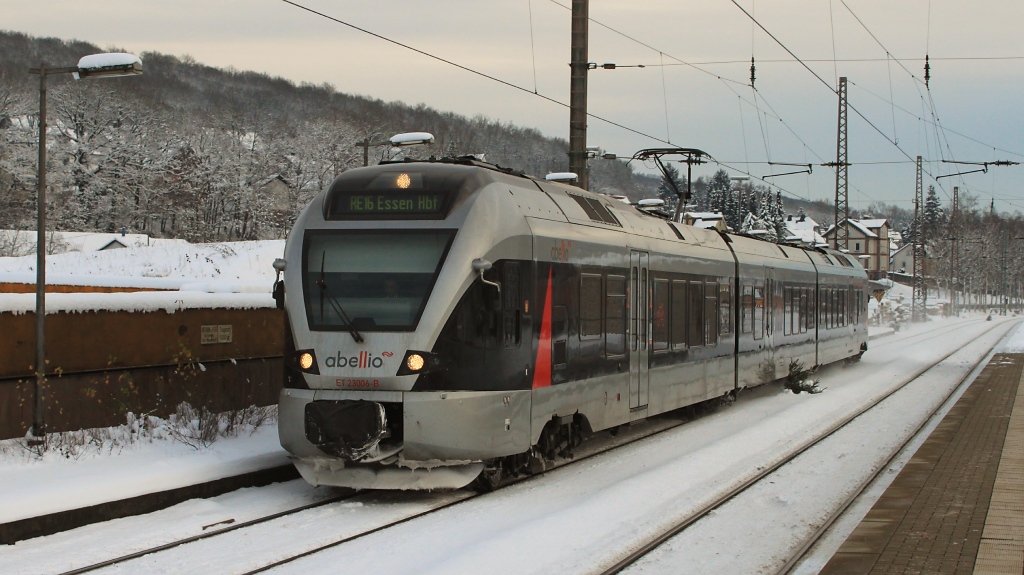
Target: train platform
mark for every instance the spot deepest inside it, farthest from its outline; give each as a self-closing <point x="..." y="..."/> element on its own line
<point x="957" y="507"/>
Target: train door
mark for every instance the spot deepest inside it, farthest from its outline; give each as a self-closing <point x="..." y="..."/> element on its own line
<point x="639" y="328"/>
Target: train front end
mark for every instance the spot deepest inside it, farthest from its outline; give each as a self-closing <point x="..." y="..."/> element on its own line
<point x="374" y="269"/>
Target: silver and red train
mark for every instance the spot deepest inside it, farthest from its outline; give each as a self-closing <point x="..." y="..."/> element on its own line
<point x="451" y="321"/>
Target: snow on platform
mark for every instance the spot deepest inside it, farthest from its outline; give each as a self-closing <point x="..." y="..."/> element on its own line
<point x="34" y="487"/>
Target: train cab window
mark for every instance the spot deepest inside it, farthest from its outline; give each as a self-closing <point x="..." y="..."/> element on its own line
<point x="747" y="309"/>
<point x="695" y="315"/>
<point x="711" y="314"/>
<point x="511" y="304"/>
<point x="379" y="280"/>
<point x="724" y="310"/>
<point x="559" y="336"/>
<point x="678" y="314"/>
<point x="615" y="316"/>
<point x="590" y="306"/>
<point x="660" y="315"/>
<point x="758" y="311"/>
<point x="476" y="318"/>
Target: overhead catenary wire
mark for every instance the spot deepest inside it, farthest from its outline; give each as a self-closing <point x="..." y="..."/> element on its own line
<point x="503" y="82"/>
<point x="802" y="62"/>
<point x="827" y="85"/>
<point x="468" y="69"/>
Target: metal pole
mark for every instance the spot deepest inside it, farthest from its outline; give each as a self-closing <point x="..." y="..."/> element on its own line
<point x="920" y="293"/>
<point x="953" y="256"/>
<point x="38" y="403"/>
<point x="842" y="207"/>
<point x="578" y="65"/>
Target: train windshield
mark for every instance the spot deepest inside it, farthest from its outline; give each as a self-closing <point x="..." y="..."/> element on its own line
<point x="373" y="281"/>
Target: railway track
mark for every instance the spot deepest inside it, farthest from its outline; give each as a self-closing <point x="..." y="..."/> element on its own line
<point x="647" y="429"/>
<point x="921" y="432"/>
<point x="764" y="473"/>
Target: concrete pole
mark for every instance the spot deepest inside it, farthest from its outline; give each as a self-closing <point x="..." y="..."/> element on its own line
<point x="579" y="64"/>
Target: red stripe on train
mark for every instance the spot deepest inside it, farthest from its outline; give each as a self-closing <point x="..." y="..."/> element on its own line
<point x="542" y="368"/>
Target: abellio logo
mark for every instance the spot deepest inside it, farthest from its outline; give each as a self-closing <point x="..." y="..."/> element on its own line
<point x="364" y="360"/>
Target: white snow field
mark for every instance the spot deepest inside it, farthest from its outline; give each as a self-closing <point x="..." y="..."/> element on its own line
<point x="583" y="516"/>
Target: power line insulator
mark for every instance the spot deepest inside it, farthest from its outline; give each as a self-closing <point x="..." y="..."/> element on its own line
<point x="927" y="72"/>
<point x="752" y="77"/>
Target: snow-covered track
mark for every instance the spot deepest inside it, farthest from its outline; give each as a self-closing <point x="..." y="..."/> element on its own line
<point x="764" y="473"/>
<point x="639" y="432"/>
<point x="214" y="533"/>
<point x="918" y="435"/>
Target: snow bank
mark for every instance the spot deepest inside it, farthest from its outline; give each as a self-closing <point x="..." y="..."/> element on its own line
<point x="235" y="275"/>
<point x="1015" y="343"/>
<point x="169" y="302"/>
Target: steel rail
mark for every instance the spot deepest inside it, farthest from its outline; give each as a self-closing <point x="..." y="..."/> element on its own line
<point x="680" y="526"/>
<point x="179" y="542"/>
<point x="811" y="541"/>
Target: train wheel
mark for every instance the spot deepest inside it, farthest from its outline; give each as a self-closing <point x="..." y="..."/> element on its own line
<point x="489" y="479"/>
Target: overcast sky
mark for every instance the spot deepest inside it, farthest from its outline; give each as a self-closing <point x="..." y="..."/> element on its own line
<point x="710" y="106"/>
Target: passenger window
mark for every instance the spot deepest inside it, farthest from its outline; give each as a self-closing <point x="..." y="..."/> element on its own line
<point x="590" y="306"/>
<point x="679" y="315"/>
<point x="758" y="311"/>
<point x="802" y="322"/>
<point x="787" y="310"/>
<point x="695" y="311"/>
<point x="747" y="309"/>
<point x="823" y="308"/>
<point x="711" y="314"/>
<point x="660" y="311"/>
<point x="615" y="316"/>
<point x="634" y="297"/>
<point x="725" y="310"/>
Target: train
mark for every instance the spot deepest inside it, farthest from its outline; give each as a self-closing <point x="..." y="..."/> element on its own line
<point x="451" y="322"/>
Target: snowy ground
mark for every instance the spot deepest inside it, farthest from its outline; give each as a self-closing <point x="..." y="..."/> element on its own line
<point x="218" y="267"/>
<point x="34" y="487"/>
<point x="580" y="517"/>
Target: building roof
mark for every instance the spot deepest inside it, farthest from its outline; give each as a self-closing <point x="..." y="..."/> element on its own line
<point x="860" y="227"/>
<point x="872" y="224"/>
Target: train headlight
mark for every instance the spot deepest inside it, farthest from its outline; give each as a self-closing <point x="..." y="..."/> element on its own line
<point x="403" y="181"/>
<point x="415" y="362"/>
<point x="419" y="362"/>
<point x="303" y="360"/>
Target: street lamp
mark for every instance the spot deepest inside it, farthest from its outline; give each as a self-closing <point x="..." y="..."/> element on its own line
<point x="94" y="66"/>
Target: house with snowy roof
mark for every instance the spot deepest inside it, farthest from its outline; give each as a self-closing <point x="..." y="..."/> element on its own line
<point x="706" y="220"/>
<point x="868" y="241"/>
<point x="903" y="261"/>
<point x="802" y="229"/>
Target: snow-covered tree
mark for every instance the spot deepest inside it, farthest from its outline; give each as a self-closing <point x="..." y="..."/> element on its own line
<point x="932" y="215"/>
<point x="670" y="182"/>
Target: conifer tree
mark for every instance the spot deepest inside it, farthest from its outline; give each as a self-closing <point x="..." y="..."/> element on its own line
<point x="666" y="191"/>
<point x="933" y="215"/>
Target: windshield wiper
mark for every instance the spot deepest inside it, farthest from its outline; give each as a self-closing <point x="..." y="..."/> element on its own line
<point x="322" y="284"/>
